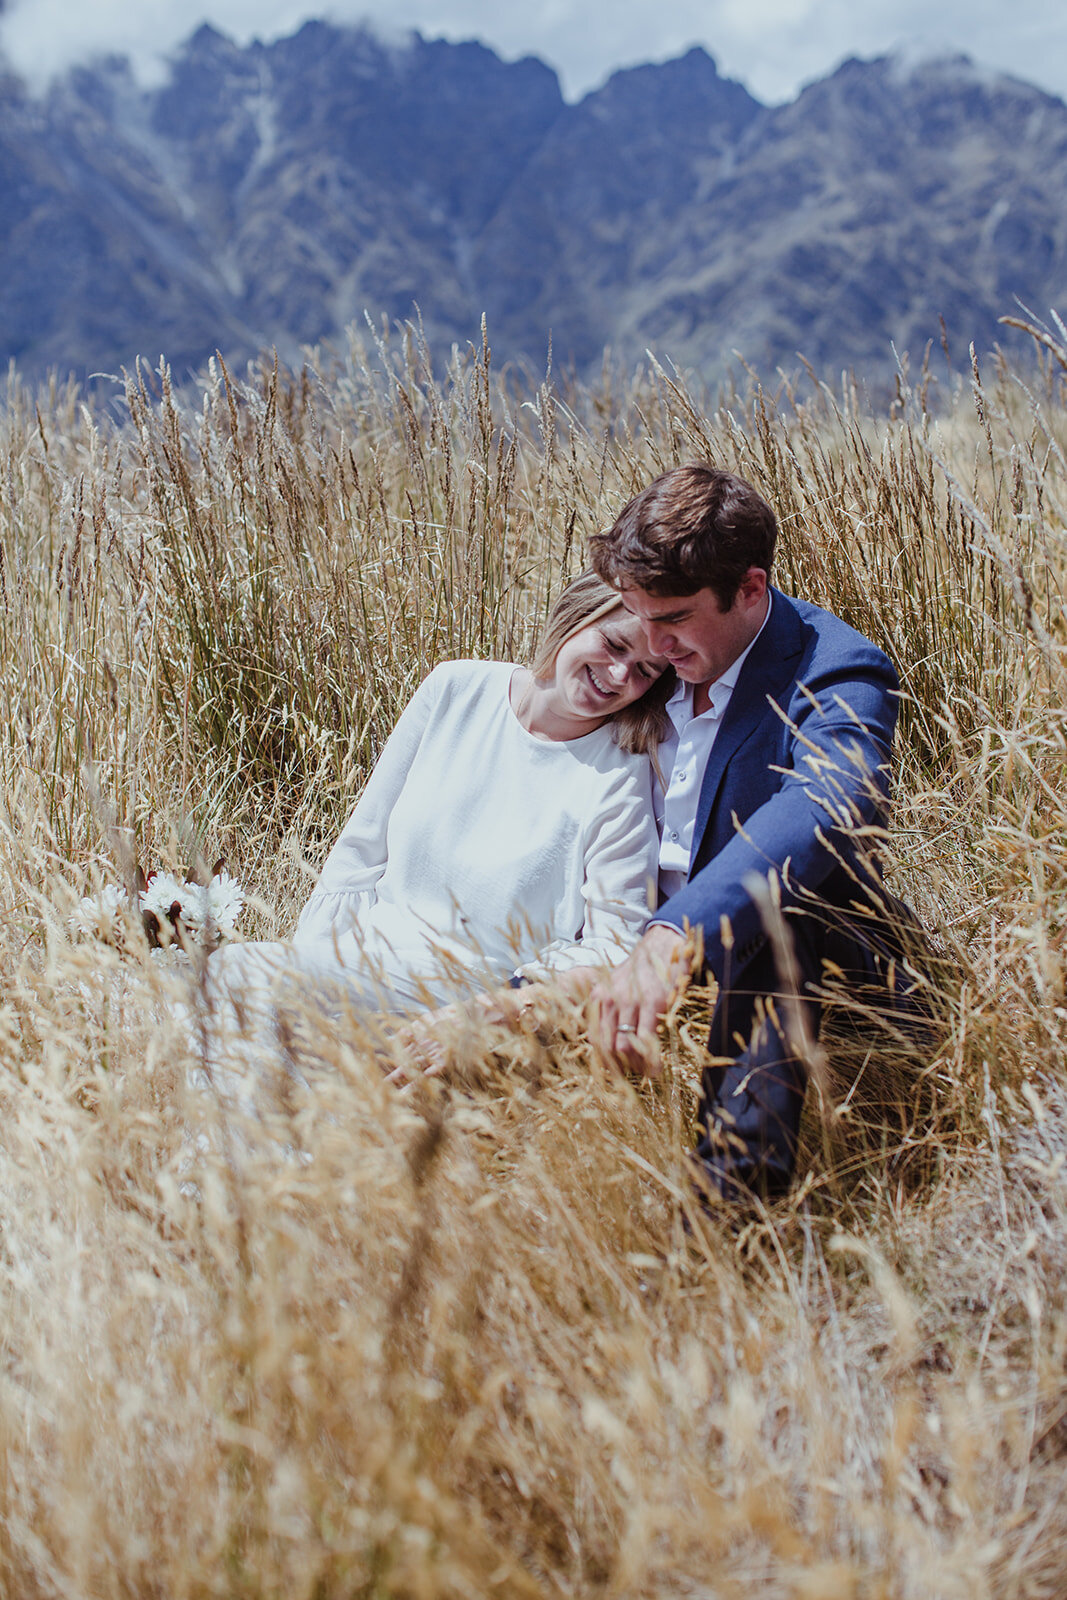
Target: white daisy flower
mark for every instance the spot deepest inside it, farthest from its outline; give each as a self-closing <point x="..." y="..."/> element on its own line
<point x="97" y="915"/>
<point x="226" y="900"/>
<point x="213" y="910"/>
<point x="205" y="913"/>
<point x="163" y="891"/>
<point x="170" y="956"/>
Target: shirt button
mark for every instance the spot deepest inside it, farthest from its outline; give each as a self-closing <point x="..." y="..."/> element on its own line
<point x="674" y="837"/>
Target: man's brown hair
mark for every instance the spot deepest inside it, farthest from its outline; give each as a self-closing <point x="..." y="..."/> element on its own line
<point x="694" y="527"/>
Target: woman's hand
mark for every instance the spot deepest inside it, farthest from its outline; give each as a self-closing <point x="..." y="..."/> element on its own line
<point x="423" y="1042"/>
<point x="428" y="1038"/>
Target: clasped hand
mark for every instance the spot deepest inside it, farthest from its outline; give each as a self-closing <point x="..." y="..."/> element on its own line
<point x="624" y="1009"/>
<point x="427" y="1039"/>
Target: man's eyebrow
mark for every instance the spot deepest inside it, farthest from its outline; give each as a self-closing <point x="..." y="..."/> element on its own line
<point x="670" y="616"/>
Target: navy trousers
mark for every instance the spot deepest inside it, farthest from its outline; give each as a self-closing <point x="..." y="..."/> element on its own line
<point x="752" y="1093"/>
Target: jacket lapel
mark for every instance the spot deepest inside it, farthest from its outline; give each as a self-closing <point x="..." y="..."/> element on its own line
<point x="768" y="669"/>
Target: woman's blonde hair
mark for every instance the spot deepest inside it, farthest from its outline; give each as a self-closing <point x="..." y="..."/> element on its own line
<point x="638" y="727"/>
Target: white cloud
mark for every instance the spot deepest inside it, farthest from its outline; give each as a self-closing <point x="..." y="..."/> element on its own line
<point x="44" y="37"/>
<point x="771" y="45"/>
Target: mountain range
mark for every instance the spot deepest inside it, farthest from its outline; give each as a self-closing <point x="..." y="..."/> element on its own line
<point x="269" y="194"/>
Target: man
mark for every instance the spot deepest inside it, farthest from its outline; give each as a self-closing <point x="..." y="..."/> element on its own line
<point x="775" y="782"/>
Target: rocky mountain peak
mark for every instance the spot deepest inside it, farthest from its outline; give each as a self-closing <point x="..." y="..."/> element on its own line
<point x="267" y="194"/>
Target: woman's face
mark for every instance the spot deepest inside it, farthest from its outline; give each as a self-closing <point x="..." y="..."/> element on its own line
<point x="605" y="666"/>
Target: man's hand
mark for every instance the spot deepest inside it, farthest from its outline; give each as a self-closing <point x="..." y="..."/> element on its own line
<point x="627" y="1005"/>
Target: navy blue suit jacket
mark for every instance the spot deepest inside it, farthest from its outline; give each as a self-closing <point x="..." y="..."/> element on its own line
<point x="799" y="765"/>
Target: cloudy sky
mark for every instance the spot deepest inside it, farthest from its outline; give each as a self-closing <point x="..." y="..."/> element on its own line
<point x="773" y="46"/>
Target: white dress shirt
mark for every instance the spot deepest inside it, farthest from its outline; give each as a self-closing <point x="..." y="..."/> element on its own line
<point x="684" y="755"/>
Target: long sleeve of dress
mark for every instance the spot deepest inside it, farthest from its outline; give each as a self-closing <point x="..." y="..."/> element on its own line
<point x="619" y="885"/>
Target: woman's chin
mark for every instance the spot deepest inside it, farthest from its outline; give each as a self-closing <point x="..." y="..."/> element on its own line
<point x="600" y="708"/>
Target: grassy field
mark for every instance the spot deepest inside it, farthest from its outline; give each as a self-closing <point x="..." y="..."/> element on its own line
<point x="458" y="1343"/>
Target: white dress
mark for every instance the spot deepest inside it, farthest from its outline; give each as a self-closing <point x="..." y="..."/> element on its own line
<point x="475" y="850"/>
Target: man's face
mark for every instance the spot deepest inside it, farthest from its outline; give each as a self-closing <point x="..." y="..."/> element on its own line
<point x="693" y="632"/>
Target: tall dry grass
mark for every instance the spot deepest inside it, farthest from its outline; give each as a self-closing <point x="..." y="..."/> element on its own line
<point x="461" y="1342"/>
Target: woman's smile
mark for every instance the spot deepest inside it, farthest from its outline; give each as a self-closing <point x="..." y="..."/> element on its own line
<point x="601" y="688"/>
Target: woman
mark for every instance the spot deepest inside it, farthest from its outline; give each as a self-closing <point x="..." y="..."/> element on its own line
<point x="506" y="829"/>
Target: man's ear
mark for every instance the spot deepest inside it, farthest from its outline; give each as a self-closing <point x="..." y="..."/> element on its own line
<point x="753" y="586"/>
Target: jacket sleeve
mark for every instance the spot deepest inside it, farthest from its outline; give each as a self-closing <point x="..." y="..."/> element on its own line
<point x="358" y="859"/>
<point x="837" y="738"/>
<point x="619" y="885"/>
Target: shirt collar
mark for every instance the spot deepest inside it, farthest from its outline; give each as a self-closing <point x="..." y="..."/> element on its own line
<point x="680" y="704"/>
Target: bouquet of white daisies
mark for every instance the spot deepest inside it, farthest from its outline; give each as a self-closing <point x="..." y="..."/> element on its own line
<point x="172" y="909"/>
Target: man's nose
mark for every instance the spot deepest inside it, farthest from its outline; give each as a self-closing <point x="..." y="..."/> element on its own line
<point x="659" y="638"/>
